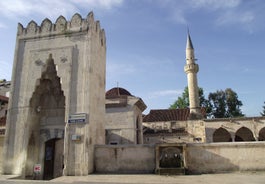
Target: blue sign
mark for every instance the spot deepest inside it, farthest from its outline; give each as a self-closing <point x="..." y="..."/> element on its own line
<point x="77" y="118"/>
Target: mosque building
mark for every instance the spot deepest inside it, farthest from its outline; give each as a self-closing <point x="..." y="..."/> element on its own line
<point x="61" y="121"/>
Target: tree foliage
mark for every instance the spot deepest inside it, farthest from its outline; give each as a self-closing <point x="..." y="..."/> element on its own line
<point x="183" y="101"/>
<point x="224" y="104"/>
<point x="263" y="112"/>
<point x="220" y="104"/>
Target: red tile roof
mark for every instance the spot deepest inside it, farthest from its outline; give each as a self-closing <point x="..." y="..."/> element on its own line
<point x="168" y="115"/>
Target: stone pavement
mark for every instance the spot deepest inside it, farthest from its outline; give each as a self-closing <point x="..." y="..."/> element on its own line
<point x="229" y="178"/>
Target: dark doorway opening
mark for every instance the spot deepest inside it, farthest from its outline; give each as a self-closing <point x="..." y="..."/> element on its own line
<point x="244" y="134"/>
<point x="221" y="135"/>
<point x="53" y="159"/>
<point x="49" y="159"/>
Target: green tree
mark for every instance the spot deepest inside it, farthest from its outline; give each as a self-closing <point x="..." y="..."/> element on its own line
<point x="183" y="100"/>
<point x="224" y="104"/>
<point x="263" y="112"/>
<point x="220" y="104"/>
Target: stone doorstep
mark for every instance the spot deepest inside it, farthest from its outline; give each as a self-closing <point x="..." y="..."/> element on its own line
<point x="170" y="171"/>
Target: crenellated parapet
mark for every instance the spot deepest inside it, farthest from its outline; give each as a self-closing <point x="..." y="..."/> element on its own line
<point x="61" y="27"/>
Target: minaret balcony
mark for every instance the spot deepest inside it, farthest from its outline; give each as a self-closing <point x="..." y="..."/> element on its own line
<point x="191" y="68"/>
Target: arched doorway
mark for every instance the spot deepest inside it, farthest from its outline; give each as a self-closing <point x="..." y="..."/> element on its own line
<point x="47" y="115"/>
<point x="244" y="134"/>
<point x="262" y="134"/>
<point x="221" y="135"/>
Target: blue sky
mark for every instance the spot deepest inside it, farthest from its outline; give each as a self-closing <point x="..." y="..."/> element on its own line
<point x="146" y="44"/>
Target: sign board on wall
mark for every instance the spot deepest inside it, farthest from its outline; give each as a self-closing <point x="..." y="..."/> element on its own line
<point x="77" y="118"/>
<point x="37" y="168"/>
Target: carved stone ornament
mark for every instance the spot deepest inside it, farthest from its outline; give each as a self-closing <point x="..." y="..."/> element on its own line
<point x="63" y="59"/>
<point x="39" y="62"/>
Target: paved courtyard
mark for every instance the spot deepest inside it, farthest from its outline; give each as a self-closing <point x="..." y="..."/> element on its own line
<point x="230" y="178"/>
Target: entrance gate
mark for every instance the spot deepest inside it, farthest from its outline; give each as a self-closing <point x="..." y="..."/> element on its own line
<point x="53" y="159"/>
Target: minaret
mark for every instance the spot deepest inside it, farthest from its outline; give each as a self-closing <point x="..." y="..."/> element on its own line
<point x="191" y="69"/>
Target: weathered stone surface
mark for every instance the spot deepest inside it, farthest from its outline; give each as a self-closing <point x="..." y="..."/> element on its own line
<point x="125" y="159"/>
<point x="59" y="70"/>
<point x="225" y="157"/>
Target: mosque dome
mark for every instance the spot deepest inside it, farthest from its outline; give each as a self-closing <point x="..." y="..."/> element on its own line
<point x="117" y="91"/>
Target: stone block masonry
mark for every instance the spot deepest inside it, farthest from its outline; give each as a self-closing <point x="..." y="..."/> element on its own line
<point x="59" y="70"/>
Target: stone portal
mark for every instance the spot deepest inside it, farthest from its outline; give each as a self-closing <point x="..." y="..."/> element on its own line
<point x="58" y="71"/>
<point x="170" y="159"/>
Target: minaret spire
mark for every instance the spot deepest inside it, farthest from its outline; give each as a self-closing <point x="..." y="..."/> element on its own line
<point x="191" y="69"/>
<point x="189" y="42"/>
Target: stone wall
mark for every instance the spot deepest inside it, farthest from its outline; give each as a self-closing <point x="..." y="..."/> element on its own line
<point x="121" y="159"/>
<point x="174" y="132"/>
<point x="254" y="125"/>
<point x="1" y="149"/>
<point x="123" y="121"/>
<point x="199" y="158"/>
<point x="76" y="51"/>
<point x="225" y="157"/>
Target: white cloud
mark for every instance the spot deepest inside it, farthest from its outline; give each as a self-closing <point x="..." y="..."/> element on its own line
<point x="215" y="4"/>
<point x="238" y="13"/>
<point x="178" y="16"/>
<point x="178" y="10"/>
<point x="236" y="17"/>
<point x="16" y="7"/>
<point x="118" y="69"/>
<point x="105" y="4"/>
<point x="52" y="9"/>
<point x="246" y="20"/>
<point x="163" y="93"/>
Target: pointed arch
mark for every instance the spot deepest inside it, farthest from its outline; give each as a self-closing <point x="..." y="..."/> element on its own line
<point x="221" y="135"/>
<point x="262" y="134"/>
<point x="48" y="93"/>
<point x="46" y="119"/>
<point x="244" y="134"/>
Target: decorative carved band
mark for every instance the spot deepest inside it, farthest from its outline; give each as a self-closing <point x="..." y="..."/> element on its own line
<point x="191" y="68"/>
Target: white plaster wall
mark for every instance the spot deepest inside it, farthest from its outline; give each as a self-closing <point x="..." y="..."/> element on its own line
<point x="199" y="157"/>
<point x="225" y="157"/>
<point x="122" y="120"/>
<point x="125" y="159"/>
<point x="196" y="129"/>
